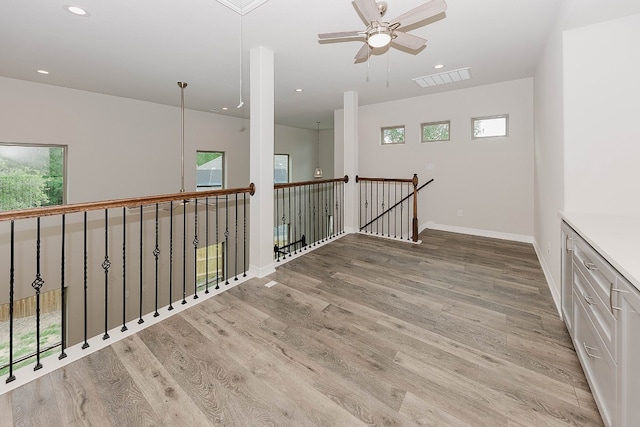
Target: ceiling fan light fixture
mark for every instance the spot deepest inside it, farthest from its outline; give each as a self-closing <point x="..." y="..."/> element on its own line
<point x="379" y="37"/>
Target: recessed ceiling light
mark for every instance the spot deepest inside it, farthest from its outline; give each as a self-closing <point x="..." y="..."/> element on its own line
<point x="43" y="71"/>
<point x="437" y="67"/>
<point x="77" y="10"/>
<point x="299" y="90"/>
<point x="225" y="108"/>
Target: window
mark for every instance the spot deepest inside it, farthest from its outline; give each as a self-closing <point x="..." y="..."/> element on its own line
<point x="209" y="170"/>
<point x="490" y="127"/>
<point x="435" y="131"/>
<point x="393" y="135"/>
<point x="280" y="168"/>
<point x="31" y="176"/>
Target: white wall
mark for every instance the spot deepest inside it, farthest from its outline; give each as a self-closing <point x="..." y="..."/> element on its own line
<point x="302" y="147"/>
<point x="490" y="180"/>
<point x="601" y="93"/>
<point x="549" y="154"/>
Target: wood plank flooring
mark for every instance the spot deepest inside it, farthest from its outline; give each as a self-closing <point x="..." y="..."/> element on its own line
<point x="456" y="331"/>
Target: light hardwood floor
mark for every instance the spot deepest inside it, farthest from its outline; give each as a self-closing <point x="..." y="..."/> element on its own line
<point x="458" y="330"/>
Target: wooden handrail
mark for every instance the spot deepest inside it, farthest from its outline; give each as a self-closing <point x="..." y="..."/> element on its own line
<point x="315" y="181"/>
<point x="117" y="203"/>
<point x="358" y="179"/>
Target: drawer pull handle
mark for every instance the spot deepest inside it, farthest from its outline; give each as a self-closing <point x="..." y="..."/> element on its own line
<point x="588" y="350"/>
<point x="590" y="266"/>
<point x="611" y="291"/>
<point x="589" y="299"/>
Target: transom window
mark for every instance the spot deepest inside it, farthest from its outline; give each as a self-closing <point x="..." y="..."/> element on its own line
<point x="435" y="131"/>
<point x="490" y="126"/>
<point x="392" y="135"/>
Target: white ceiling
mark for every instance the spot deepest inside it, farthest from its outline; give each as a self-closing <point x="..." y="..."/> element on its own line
<point x="140" y="48"/>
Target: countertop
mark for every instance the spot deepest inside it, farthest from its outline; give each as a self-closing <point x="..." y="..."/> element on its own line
<point x="616" y="238"/>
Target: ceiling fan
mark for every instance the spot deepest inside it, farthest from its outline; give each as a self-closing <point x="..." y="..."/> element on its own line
<point x="379" y="34"/>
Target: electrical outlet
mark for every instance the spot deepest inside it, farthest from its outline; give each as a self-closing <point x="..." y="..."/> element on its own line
<point x="459" y="212"/>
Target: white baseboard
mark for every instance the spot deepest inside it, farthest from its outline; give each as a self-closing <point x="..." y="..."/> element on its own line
<point x="478" y="232"/>
<point x="555" y="293"/>
<point x="260" y="272"/>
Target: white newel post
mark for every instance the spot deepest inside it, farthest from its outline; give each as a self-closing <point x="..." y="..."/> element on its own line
<point x="261" y="161"/>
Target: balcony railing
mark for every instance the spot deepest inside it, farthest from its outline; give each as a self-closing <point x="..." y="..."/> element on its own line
<point x="115" y="263"/>
<point x="307" y="213"/>
<point x="389" y="206"/>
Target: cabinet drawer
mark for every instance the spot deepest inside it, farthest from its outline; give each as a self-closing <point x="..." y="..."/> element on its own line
<point x="596" y="309"/>
<point x="595" y="268"/>
<point x="597" y="363"/>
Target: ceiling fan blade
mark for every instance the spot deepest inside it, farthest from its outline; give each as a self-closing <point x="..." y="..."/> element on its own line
<point x="408" y="40"/>
<point x="340" y="35"/>
<point x="363" y="53"/>
<point x="368" y="9"/>
<point x="421" y="13"/>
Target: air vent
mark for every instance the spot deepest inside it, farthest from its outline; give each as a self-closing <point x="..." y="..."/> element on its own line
<point x="444" y="78"/>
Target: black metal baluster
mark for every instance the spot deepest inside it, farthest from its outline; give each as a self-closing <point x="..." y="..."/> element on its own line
<point x="206" y="242"/>
<point x="170" y="255"/>
<point x="244" y="234"/>
<point x="217" y="246"/>
<point x="124" y="269"/>
<point x="395" y="211"/>
<point x="86" y="284"/>
<point x="195" y="251"/>
<point x="236" y="241"/>
<point x="389" y="213"/>
<point x="63" y="305"/>
<point x="140" y="319"/>
<point x="296" y="226"/>
<point x="184" y="252"/>
<point x="156" y="254"/>
<point x="321" y="195"/>
<point x="226" y="238"/>
<point x="11" y="377"/>
<point x="37" y="285"/>
<point x="284" y="228"/>
<point x="105" y="266"/>
<point x="401" y="208"/>
<point x="382" y="219"/>
<point x="408" y="212"/>
<point x="277" y="227"/>
<point x="290" y="221"/>
<point x="371" y="205"/>
<point x="314" y="217"/>
<point x="305" y="217"/>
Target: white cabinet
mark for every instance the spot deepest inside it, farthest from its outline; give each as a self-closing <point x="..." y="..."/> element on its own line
<point x="628" y="343"/>
<point x="602" y="312"/>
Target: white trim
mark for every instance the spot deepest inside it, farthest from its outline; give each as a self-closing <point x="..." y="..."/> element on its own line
<point x="310" y="247"/>
<point x="262" y="271"/>
<point x="397" y="239"/>
<point x="478" y="232"/>
<point x="550" y="283"/>
<point x="245" y="9"/>
<point x="26" y="374"/>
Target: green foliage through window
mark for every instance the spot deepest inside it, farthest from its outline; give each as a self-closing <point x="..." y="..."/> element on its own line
<point x="393" y="135"/>
<point x="436" y="131"/>
<point x="31" y="176"/>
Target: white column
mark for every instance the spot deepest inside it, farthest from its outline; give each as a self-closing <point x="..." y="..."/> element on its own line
<point x="261" y="161"/>
<point x="350" y="156"/>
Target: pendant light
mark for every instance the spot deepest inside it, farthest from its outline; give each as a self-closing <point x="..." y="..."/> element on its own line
<point x="318" y="171"/>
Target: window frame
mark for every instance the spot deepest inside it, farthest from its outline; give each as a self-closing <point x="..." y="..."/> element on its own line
<point x="493" y="117"/>
<point x="404" y="135"/>
<point x="222" y="171"/>
<point x="441" y="122"/>
<point x="65" y="156"/>
<point x="288" y="168"/>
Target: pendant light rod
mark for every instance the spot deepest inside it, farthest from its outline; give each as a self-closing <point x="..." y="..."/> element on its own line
<point x="318" y="172"/>
<point x="182" y="85"/>
<point x="241" y="101"/>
